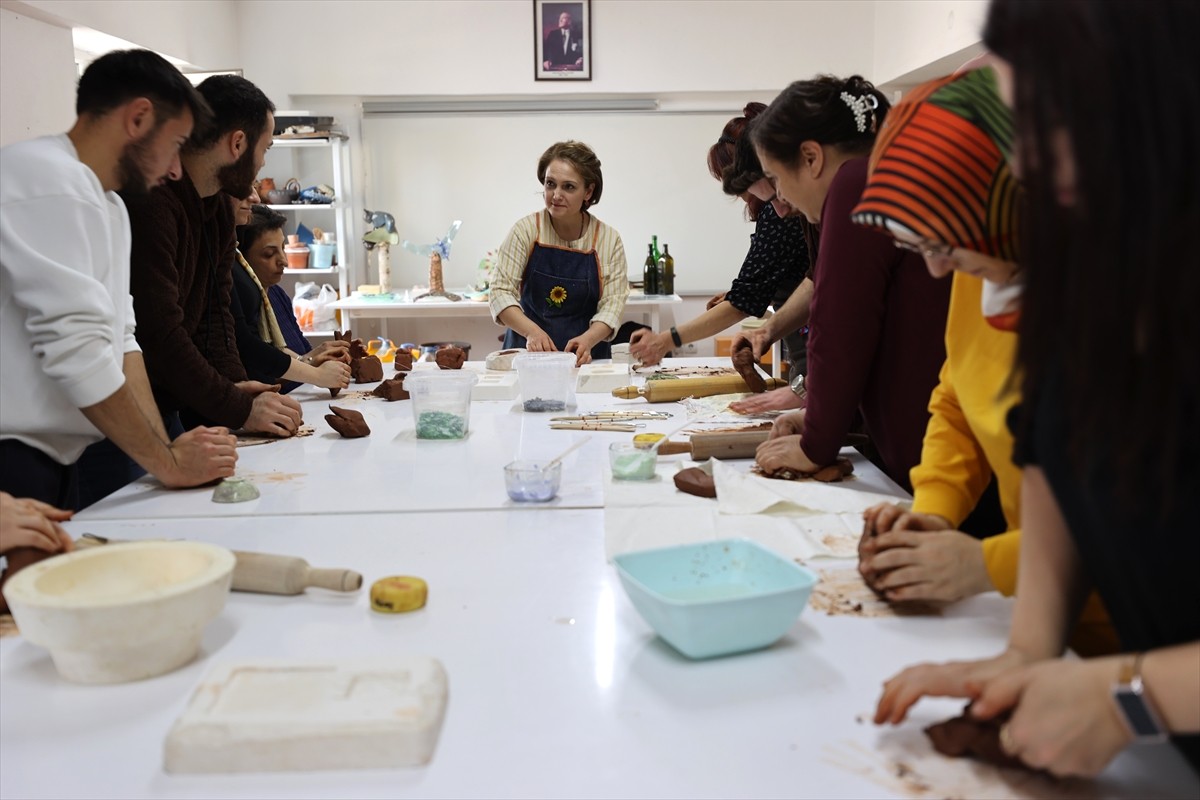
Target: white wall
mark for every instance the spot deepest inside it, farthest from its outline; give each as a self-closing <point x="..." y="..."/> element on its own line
<point x="37" y="78"/>
<point x="201" y="32"/>
<point x="912" y="35"/>
<point x="482" y="47"/>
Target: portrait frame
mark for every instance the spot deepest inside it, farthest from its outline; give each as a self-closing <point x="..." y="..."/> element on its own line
<point x="549" y="62"/>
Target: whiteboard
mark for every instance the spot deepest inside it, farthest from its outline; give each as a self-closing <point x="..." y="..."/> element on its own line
<point x="428" y="170"/>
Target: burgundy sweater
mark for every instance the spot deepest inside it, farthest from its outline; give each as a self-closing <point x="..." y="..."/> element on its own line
<point x="180" y="279"/>
<point x="875" y="339"/>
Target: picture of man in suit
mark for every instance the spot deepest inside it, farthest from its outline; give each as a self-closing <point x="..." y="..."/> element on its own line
<point x="562" y="47"/>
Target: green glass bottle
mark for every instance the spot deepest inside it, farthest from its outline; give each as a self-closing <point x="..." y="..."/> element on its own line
<point x="666" y="271"/>
<point x="650" y="272"/>
<point x="654" y="247"/>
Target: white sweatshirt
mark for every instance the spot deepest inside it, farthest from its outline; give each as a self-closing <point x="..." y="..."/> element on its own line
<point x="66" y="316"/>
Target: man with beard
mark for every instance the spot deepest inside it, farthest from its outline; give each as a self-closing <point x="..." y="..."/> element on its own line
<point x="73" y="372"/>
<point x="183" y="253"/>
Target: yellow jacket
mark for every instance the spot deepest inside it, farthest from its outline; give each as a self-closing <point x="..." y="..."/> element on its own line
<point x="967" y="439"/>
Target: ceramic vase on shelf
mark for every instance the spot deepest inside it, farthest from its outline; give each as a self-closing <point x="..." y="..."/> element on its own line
<point x="296" y="251"/>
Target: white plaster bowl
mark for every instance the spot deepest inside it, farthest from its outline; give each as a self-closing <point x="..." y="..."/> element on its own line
<point x="122" y="612"/>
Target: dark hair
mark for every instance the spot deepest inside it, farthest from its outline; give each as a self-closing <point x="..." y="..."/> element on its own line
<point x="262" y="219"/>
<point x="1108" y="309"/>
<point x="581" y="157"/>
<point x="732" y="159"/>
<point x="115" y="78"/>
<point x="237" y="105"/>
<point x="816" y="110"/>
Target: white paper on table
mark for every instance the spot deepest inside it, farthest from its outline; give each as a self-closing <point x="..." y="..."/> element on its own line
<point x="644" y="515"/>
<point x="741" y="492"/>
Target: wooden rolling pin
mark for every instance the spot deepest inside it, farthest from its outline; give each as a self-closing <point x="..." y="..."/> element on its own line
<point x="703" y="446"/>
<point x="266" y="573"/>
<point x="668" y="391"/>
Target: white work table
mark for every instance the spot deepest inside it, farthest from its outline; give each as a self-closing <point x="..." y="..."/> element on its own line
<point x="557" y="687"/>
<point x="365" y="308"/>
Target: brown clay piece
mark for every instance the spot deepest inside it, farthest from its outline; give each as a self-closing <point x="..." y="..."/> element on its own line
<point x="450" y="357"/>
<point x="367" y="369"/>
<point x="694" y="480"/>
<point x="743" y="361"/>
<point x="350" y="424"/>
<point x="404" y="361"/>
<point x="392" y="390"/>
<point x="967" y="737"/>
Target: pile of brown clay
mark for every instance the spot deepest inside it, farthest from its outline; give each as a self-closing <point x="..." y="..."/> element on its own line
<point x="450" y="357"/>
<point x="967" y="737"/>
<point x="743" y="361"/>
<point x="694" y="480"/>
<point x="392" y="390"/>
<point x="403" y="361"/>
<point x="366" y="370"/>
<point x="350" y="424"/>
<point x="834" y="473"/>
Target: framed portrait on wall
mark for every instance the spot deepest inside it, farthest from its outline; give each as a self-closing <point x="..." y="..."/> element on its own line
<point x="562" y="34"/>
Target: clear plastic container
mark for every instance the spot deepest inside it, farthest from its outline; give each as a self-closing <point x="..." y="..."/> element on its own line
<point x="441" y="402"/>
<point x="631" y="463"/>
<point x="532" y="481"/>
<point x="545" y="380"/>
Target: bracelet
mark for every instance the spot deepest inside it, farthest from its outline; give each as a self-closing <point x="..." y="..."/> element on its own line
<point x="675" y="337"/>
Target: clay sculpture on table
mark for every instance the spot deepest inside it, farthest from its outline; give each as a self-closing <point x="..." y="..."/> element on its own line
<point x="743" y="361"/>
<point x="392" y="390"/>
<point x="450" y="357"/>
<point x="694" y="480"/>
<point x="834" y="473"/>
<point x="367" y="369"/>
<point x="967" y="737"/>
<point x="350" y="424"/>
<point x="404" y="361"/>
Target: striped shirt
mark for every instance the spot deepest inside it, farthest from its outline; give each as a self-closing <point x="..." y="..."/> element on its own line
<point x="536" y="228"/>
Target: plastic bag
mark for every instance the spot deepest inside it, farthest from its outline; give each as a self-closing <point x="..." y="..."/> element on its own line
<point x="304" y="304"/>
<point x="324" y="314"/>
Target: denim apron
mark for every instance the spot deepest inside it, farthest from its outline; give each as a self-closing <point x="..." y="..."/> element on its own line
<point x="560" y="292"/>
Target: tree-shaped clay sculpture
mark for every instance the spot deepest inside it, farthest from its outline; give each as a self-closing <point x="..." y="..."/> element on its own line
<point x="438" y="251"/>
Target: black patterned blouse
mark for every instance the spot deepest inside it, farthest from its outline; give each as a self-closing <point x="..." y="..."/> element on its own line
<point x="775" y="264"/>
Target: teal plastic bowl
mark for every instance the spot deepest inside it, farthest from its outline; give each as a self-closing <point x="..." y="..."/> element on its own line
<point x="716" y="598"/>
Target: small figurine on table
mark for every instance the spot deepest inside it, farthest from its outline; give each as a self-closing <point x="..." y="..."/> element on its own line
<point x="381" y="237"/>
<point x="437" y="251"/>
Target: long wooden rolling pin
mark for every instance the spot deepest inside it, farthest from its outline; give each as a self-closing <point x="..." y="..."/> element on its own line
<point x="703" y="446"/>
<point x="266" y="573"/>
<point x="668" y="391"/>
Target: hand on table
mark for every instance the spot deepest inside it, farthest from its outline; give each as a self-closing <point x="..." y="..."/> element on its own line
<point x="25" y="522"/>
<point x="780" y="399"/>
<point x="783" y="453"/>
<point x="649" y="347"/>
<point x="540" y="342"/>
<point x="333" y="375"/>
<point x="200" y="456"/>
<point x="581" y="346"/>
<point x="715" y="301"/>
<point x="336" y="350"/>
<point x="271" y="413"/>
<point x="1064" y="718"/>
<point x="788" y="425"/>
<point x="908" y="565"/>
<point x="952" y="679"/>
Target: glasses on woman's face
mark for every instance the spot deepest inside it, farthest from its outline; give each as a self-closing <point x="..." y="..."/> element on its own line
<point x="926" y="249"/>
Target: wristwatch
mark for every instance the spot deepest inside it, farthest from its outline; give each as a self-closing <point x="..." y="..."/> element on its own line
<point x="797" y="384"/>
<point x="1130" y="695"/>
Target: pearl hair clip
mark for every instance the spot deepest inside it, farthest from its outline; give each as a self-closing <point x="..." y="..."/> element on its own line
<point x="860" y="107"/>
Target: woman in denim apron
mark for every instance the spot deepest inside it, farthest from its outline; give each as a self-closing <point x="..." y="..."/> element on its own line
<point x="561" y="281"/>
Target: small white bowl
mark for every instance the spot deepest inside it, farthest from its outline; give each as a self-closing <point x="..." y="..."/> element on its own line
<point x="122" y="612"/>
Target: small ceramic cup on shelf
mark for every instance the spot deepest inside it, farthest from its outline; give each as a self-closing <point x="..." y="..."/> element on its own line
<point x="296" y="251"/>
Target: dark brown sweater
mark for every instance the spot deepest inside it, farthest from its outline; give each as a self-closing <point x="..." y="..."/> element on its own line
<point x="180" y="279"/>
<point x="876" y="336"/>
